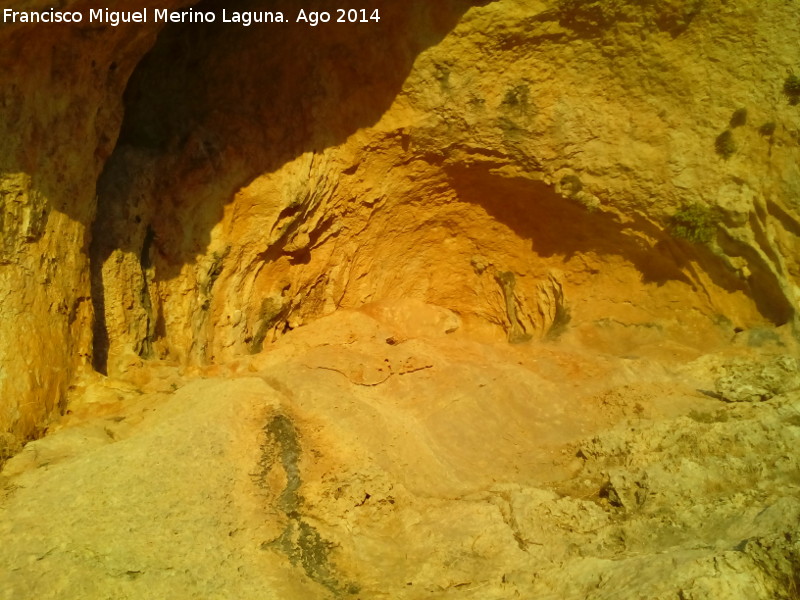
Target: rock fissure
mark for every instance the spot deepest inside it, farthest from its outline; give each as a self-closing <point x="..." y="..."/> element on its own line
<point x="300" y="542"/>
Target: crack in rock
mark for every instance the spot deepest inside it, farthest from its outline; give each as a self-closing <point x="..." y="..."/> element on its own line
<point x="300" y="542"/>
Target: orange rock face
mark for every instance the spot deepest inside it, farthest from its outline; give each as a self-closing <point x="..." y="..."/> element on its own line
<point x="518" y="165"/>
<point x="470" y="225"/>
<point x="61" y="110"/>
<point x="251" y="193"/>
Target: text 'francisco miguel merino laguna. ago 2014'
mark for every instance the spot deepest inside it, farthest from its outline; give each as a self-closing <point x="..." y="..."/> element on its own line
<point x="190" y="15"/>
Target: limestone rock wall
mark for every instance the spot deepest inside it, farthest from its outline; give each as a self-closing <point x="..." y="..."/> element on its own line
<point x="237" y="160"/>
<point x="61" y="97"/>
<point x="519" y="163"/>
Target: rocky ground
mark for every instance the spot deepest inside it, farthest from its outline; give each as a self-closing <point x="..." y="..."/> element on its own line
<point x="352" y="460"/>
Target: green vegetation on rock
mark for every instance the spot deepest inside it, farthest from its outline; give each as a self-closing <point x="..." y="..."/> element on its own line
<point x="724" y="144"/>
<point x="517" y="97"/>
<point x="9" y="446"/>
<point x="693" y="223"/>
<point x="791" y="87"/>
<point x="739" y="117"/>
<point x="673" y="16"/>
<point x="767" y="129"/>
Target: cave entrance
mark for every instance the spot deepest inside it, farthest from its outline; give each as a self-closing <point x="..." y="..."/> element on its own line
<point x="211" y="107"/>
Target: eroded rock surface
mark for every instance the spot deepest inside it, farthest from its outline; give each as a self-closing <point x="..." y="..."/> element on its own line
<point x="488" y="299"/>
<point x="550" y="190"/>
<point x="464" y="471"/>
<point x="519" y="163"/>
<point x="748" y="382"/>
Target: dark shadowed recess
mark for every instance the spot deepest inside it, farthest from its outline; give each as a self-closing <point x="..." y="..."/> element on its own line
<point x="212" y="106"/>
<point x="558" y="226"/>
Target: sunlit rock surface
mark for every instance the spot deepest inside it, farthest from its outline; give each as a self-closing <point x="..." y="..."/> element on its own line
<point x="483" y="300"/>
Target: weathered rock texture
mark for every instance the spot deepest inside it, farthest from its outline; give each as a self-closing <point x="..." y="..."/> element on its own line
<point x="338" y="465"/>
<point x="433" y="264"/>
<point x="518" y="163"/>
<point x="521" y="172"/>
<point x="62" y="107"/>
